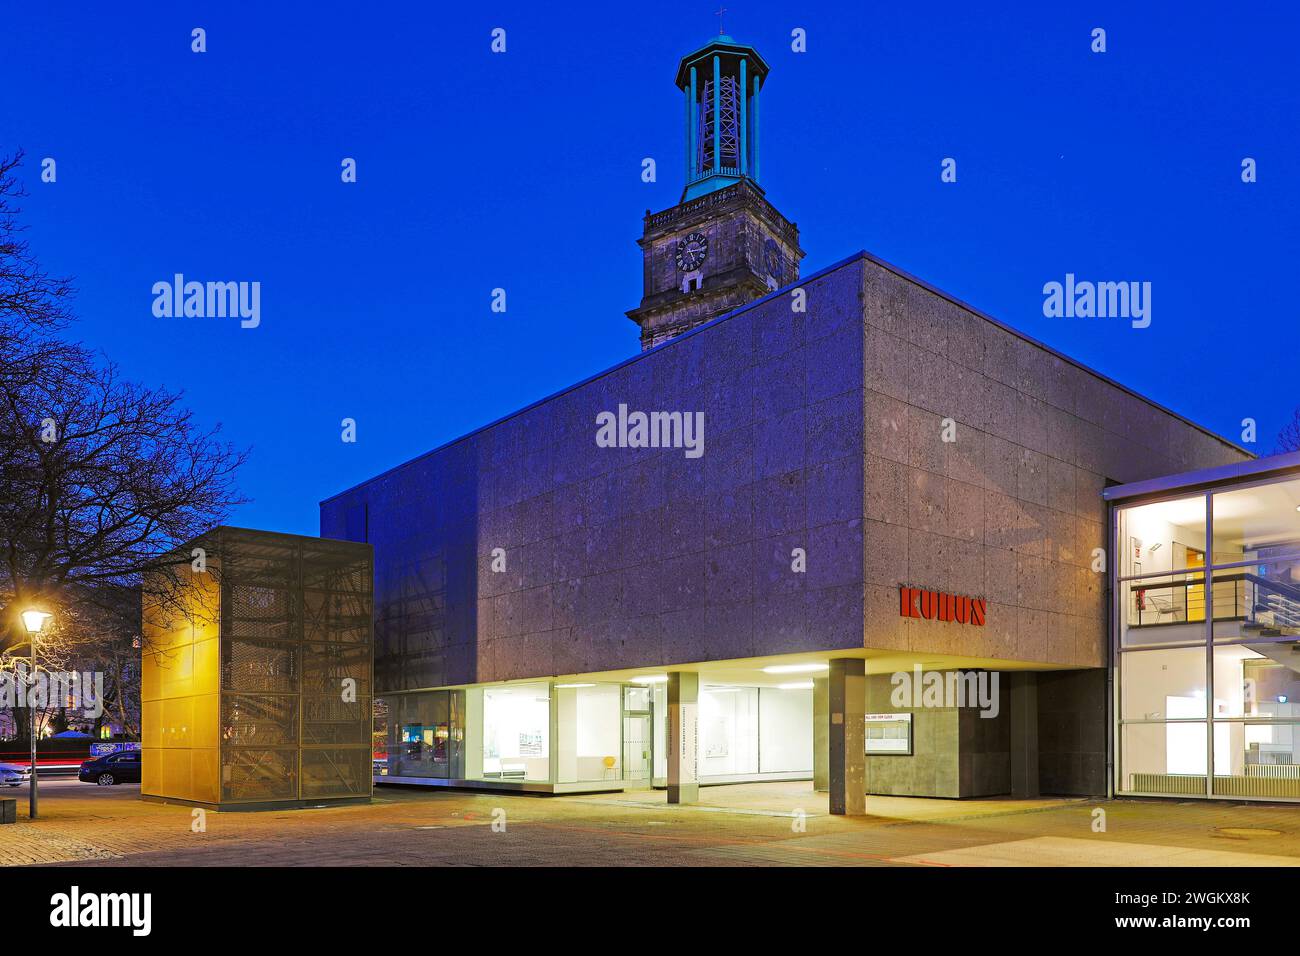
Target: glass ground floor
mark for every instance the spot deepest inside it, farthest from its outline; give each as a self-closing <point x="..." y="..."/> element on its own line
<point x="584" y="735"/>
<point x="992" y="728"/>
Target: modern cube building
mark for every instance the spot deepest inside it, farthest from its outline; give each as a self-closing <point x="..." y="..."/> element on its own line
<point x="744" y="553"/>
<point x="257" y="673"/>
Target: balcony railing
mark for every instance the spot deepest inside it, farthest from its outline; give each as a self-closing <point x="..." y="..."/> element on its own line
<point x="1261" y="604"/>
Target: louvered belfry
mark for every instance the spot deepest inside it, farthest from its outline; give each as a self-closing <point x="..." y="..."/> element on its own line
<point x="721" y="83"/>
<point x="724" y="124"/>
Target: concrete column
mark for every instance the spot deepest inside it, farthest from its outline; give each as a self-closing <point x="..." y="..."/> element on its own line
<point x="821" y="735"/>
<point x="847" y="699"/>
<point x="683" y="737"/>
<point x="1024" y="733"/>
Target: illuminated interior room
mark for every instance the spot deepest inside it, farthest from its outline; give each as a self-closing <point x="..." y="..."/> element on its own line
<point x="1207" y="635"/>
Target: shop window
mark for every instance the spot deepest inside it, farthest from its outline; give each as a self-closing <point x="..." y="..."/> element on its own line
<point x="588" y="722"/>
<point x="1253" y="759"/>
<point x="424" y="735"/>
<point x="1257" y="523"/>
<point x="785" y="730"/>
<point x="1167" y="609"/>
<point x="1257" y="680"/>
<point x="728" y="731"/>
<point x="750" y="731"/>
<point x="1257" y="601"/>
<point x="1249" y="746"/>
<point x="515" y="735"/>
<point x="1165" y="684"/>
<point x="1164" y="536"/>
<point x="1165" y="759"/>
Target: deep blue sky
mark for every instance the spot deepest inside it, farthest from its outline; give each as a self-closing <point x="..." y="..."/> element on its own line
<point x="523" y="171"/>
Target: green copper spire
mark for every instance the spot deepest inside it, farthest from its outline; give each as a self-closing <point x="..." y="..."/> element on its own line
<point x="721" y="82"/>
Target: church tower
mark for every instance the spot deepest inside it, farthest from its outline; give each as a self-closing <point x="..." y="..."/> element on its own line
<point x="723" y="244"/>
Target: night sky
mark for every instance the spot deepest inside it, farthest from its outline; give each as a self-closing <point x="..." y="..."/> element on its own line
<point x="523" y="171"/>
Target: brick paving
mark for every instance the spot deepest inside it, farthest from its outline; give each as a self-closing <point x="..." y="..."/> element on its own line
<point x="741" y="826"/>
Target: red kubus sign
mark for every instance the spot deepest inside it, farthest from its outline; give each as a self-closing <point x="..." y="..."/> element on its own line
<point x="940" y="606"/>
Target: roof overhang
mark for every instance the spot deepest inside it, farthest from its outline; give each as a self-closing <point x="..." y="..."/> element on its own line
<point x="724" y="46"/>
<point x="1234" y="473"/>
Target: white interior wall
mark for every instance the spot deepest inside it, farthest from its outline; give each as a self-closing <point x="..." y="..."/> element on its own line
<point x="785" y="730"/>
<point x="728" y="731"/>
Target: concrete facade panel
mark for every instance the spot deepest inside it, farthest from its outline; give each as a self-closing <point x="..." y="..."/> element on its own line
<point x="825" y="433"/>
<point x="538" y="553"/>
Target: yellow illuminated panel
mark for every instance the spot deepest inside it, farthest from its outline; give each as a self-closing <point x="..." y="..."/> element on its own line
<point x="180" y="678"/>
<point x="264" y="726"/>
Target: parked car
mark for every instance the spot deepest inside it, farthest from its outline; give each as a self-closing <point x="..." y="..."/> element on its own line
<point x="14" y="775"/>
<point x="123" y="767"/>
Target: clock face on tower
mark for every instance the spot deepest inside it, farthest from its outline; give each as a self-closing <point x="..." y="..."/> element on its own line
<point x="692" y="251"/>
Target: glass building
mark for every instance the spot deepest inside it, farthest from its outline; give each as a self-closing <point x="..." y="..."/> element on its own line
<point x="1206" y="632"/>
<point x="581" y="736"/>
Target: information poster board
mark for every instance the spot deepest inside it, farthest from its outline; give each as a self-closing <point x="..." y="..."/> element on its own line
<point x="889" y="734"/>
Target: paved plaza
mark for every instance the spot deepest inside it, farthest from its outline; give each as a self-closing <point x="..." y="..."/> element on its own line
<point x="780" y="824"/>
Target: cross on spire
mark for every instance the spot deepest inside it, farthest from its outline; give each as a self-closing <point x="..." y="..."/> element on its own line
<point x="721" y="11"/>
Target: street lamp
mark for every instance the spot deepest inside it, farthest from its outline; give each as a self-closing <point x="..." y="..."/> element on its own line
<point x="33" y="620"/>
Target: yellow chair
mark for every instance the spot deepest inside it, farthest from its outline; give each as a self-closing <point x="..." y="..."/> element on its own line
<point x="610" y="764"/>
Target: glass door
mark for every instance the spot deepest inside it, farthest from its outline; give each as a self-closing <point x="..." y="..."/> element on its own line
<point x="637" y="751"/>
<point x="638" y="746"/>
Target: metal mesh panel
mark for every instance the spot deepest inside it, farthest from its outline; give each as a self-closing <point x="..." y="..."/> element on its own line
<point x="249" y="720"/>
<point x="336" y="773"/>
<point x="267" y="666"/>
<point x="332" y="720"/>
<point x="295" y="624"/>
<point x="252" y="611"/>
<point x="255" y="775"/>
<point x="325" y="570"/>
<point x="257" y="558"/>
<point x="336" y="617"/>
<point x="326" y="666"/>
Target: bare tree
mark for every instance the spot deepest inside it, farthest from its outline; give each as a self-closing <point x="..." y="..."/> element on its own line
<point x="1288" y="439"/>
<point x="32" y="303"/>
<point x="100" y="478"/>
